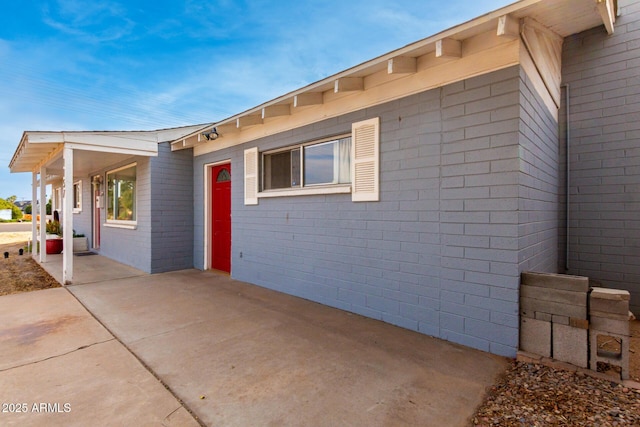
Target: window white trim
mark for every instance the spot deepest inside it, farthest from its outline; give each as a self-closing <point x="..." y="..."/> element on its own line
<point x="119" y="222"/>
<point x="365" y="168"/>
<point x="128" y="225"/>
<point x="77" y="207"/>
<point x="302" y="165"/>
<point x="307" y="191"/>
<point x="57" y="200"/>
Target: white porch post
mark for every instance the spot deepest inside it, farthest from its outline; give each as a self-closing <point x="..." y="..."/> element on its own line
<point x="67" y="208"/>
<point x="34" y="212"/>
<point x="43" y="214"/>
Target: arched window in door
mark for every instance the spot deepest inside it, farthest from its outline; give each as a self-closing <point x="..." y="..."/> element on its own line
<point x="223" y="176"/>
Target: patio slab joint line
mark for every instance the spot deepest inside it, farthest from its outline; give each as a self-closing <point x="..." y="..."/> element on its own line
<point x="142" y="362"/>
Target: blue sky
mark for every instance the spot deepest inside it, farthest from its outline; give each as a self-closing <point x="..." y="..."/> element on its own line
<point x="138" y="65"/>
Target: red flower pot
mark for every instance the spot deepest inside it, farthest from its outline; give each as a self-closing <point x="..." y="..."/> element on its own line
<point x="54" y="246"/>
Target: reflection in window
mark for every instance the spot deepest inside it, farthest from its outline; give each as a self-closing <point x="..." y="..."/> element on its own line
<point x="77" y="196"/>
<point x="328" y="163"/>
<point x="121" y="194"/>
<point x="324" y="163"/>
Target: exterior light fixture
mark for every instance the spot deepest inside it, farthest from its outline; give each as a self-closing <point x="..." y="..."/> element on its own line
<point x="210" y="136"/>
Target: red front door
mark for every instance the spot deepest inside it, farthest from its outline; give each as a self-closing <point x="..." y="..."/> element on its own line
<point x="221" y="217"/>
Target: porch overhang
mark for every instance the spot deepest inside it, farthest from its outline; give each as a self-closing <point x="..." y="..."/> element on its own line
<point x="40" y="148"/>
<point x="62" y="156"/>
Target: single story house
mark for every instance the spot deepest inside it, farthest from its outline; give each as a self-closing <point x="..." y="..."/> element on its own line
<point x="413" y="188"/>
<point x="126" y="191"/>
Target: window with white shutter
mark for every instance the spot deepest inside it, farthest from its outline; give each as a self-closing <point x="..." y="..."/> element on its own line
<point x="251" y="176"/>
<point x="365" y="161"/>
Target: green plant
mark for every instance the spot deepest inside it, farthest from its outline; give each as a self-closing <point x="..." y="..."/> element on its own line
<point x="77" y="234"/>
<point x="53" y="227"/>
<point x="16" y="213"/>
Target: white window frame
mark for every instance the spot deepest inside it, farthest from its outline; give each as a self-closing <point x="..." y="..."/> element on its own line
<point x="77" y="207"/>
<point x="302" y="190"/>
<point x="56" y="204"/>
<point x="365" y="168"/>
<point x="119" y="223"/>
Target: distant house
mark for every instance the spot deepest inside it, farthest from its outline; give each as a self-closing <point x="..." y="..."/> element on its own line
<point x="413" y="188"/>
<point x="22" y="204"/>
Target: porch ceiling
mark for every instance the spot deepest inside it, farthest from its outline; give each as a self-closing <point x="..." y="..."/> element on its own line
<point x="84" y="163"/>
<point x="93" y="149"/>
<point x="37" y="149"/>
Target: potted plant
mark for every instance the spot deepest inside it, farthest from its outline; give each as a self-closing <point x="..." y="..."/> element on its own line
<point x="54" y="236"/>
<point x="80" y="243"/>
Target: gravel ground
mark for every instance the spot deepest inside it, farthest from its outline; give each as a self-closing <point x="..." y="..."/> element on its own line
<point x="535" y="395"/>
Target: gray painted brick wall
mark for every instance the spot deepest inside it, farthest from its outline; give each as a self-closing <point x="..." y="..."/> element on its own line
<point x="132" y="247"/>
<point x="539" y="184"/>
<point x="172" y="209"/>
<point x="458" y="216"/>
<point x="163" y="238"/>
<point x="603" y="73"/>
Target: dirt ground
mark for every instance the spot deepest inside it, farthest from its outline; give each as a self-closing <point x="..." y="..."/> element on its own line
<point x="20" y="273"/>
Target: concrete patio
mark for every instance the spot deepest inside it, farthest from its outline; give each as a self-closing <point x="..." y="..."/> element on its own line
<point x="237" y="354"/>
<point x="90" y="268"/>
<point x="54" y="353"/>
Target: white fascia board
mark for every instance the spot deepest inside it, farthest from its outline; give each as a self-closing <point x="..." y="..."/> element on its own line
<point x="147" y="151"/>
<point x="110" y="143"/>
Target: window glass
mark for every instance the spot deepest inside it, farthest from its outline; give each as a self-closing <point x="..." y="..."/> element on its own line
<point x="77" y="196"/>
<point x="328" y="162"/>
<point x="277" y="170"/>
<point x="323" y="163"/>
<point x="121" y="194"/>
<point x="223" y="176"/>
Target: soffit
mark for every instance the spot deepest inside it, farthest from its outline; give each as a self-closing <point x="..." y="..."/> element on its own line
<point x="563" y="17"/>
<point x="92" y="148"/>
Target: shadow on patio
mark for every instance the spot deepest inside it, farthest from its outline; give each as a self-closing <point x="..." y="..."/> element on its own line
<point x="90" y="269"/>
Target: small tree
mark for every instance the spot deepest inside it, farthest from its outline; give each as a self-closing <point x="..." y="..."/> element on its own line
<point x="16" y="213"/>
<point x="28" y="209"/>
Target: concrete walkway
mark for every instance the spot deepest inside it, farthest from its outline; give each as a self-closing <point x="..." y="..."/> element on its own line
<point x="240" y="355"/>
<point x="234" y="354"/>
<point x="60" y="367"/>
<point x="89" y="269"/>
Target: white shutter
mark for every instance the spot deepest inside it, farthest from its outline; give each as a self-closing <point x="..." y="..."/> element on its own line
<point x="251" y="176"/>
<point x="365" y="161"/>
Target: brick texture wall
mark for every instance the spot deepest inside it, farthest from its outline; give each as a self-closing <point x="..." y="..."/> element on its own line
<point x="465" y="182"/>
<point x="603" y="73"/>
<point x="172" y="209"/>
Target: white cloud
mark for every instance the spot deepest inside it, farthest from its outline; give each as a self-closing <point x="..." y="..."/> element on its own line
<point x="91" y="22"/>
